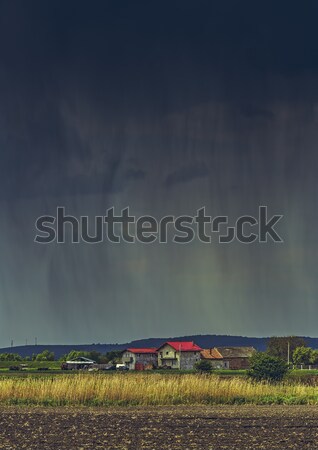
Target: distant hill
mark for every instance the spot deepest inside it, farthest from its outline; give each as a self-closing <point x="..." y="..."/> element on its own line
<point x="204" y="341"/>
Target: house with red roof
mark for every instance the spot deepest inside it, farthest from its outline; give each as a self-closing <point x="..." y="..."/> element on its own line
<point x="140" y="358"/>
<point x="178" y="355"/>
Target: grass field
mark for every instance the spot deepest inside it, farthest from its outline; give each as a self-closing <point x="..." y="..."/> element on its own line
<point x="149" y="389"/>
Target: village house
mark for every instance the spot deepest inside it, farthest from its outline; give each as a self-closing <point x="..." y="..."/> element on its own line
<point x="178" y="355"/>
<point x="184" y="355"/>
<point x="228" y="357"/>
<point x="140" y="358"/>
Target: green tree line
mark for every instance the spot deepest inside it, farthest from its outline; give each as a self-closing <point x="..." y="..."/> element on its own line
<point x="47" y="355"/>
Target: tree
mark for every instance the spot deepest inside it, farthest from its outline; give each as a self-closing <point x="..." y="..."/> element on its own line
<point x="46" y="355"/>
<point x="98" y="357"/>
<point x="266" y="367"/>
<point x="113" y="356"/>
<point x="203" y="366"/>
<point x="278" y="346"/>
<point x="10" y="357"/>
<point x="74" y="354"/>
<point x="314" y="357"/>
<point x="303" y="355"/>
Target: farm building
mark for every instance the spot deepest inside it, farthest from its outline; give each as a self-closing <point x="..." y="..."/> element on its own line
<point x="178" y="355"/>
<point x="229" y="357"/>
<point x="236" y="357"/>
<point x="183" y="355"/>
<point x="140" y="358"/>
<point x="214" y="357"/>
<point x="79" y="363"/>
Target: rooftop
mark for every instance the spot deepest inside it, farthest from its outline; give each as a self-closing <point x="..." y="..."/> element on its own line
<point x="80" y="359"/>
<point x="141" y="350"/>
<point x="211" y="353"/>
<point x="182" y="346"/>
<point x="236" y="352"/>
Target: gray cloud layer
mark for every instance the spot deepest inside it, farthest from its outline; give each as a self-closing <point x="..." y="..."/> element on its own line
<point x="93" y="117"/>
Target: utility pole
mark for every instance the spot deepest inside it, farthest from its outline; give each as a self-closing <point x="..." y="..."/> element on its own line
<point x="36" y="341"/>
<point x="288" y="352"/>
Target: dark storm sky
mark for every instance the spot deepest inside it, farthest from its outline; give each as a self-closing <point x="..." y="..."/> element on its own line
<point x="164" y="107"/>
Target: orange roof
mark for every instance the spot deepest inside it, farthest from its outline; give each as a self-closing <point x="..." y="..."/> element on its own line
<point x="211" y="353"/>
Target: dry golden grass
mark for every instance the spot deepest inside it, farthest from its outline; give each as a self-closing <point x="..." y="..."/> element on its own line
<point x="149" y="389"/>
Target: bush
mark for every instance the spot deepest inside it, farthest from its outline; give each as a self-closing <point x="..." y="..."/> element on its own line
<point x="46" y="355"/>
<point x="203" y="366"/>
<point x="266" y="367"/>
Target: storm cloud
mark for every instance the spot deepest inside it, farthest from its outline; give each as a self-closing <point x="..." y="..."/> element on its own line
<point x="164" y="108"/>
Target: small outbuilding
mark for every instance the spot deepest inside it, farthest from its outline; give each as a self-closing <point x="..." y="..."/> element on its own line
<point x="79" y="363"/>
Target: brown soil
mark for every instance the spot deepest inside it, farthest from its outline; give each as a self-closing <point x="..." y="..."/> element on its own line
<point x="162" y="428"/>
